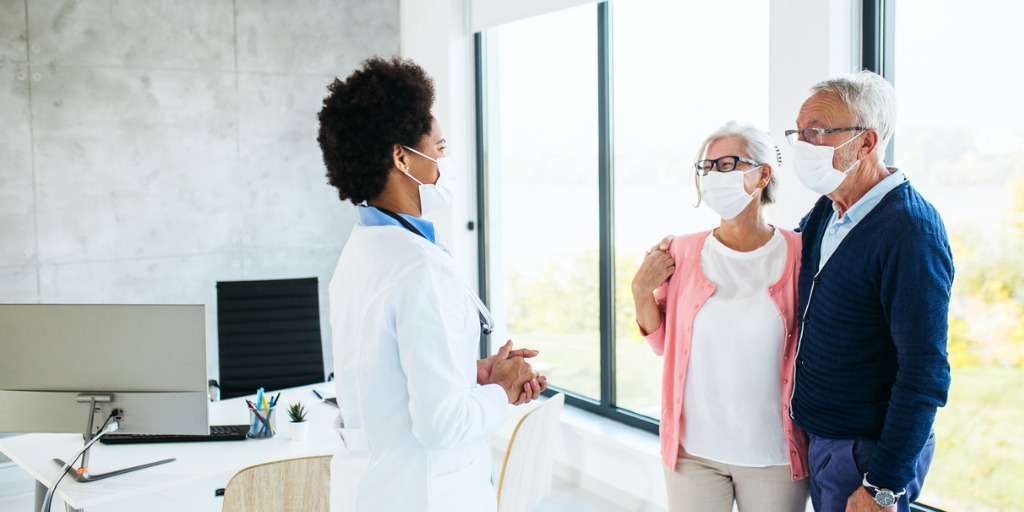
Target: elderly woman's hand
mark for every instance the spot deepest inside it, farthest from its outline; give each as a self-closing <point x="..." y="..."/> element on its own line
<point x="663" y="245"/>
<point x="658" y="266"/>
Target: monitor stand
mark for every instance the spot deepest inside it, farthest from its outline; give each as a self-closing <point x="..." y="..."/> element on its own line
<point x="81" y="473"/>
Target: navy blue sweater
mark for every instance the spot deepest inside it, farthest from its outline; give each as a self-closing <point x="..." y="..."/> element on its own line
<point x="871" y="360"/>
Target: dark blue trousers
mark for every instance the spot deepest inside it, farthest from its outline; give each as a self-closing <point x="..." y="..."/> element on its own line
<point x="838" y="467"/>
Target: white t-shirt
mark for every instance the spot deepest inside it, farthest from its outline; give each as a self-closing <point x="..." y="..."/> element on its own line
<point x="733" y="392"/>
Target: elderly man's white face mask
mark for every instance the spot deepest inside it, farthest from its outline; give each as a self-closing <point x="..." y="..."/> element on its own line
<point x="813" y="166"/>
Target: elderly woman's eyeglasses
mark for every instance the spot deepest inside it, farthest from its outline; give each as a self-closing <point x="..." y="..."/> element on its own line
<point x="723" y="164"/>
<point x="816" y="135"/>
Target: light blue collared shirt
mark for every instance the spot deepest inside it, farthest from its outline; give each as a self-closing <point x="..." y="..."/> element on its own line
<point x="838" y="227"/>
<point x="370" y="216"/>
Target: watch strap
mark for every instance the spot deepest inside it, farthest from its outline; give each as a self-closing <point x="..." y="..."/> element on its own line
<point x="873" y="489"/>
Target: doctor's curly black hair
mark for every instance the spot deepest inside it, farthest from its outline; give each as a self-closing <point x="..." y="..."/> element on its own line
<point x="383" y="103"/>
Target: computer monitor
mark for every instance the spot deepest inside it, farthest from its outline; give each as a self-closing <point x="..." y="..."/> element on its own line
<point x="150" y="359"/>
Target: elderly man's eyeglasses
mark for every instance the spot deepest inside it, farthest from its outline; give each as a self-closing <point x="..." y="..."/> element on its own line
<point x="816" y="135"/>
<point x="723" y="164"/>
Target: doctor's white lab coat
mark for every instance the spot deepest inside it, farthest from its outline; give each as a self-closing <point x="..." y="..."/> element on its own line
<point x="406" y="340"/>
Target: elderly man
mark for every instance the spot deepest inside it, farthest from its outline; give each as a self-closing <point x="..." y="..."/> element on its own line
<point x="875" y="278"/>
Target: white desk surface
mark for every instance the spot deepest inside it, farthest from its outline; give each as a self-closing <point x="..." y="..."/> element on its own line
<point x="196" y="462"/>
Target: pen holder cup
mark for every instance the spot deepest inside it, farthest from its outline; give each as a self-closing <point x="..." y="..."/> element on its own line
<point x="262" y="424"/>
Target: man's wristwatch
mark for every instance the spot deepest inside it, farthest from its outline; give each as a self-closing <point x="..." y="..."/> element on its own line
<point x="883" y="497"/>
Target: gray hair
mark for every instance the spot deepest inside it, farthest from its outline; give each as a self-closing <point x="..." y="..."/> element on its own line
<point x="870" y="98"/>
<point x="756" y="144"/>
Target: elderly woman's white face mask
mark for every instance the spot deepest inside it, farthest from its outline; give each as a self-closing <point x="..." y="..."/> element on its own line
<point x="724" y="192"/>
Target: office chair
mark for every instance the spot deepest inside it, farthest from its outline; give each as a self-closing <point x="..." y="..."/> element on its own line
<point x="269" y="335"/>
<point x="291" y="485"/>
<point x="526" y="472"/>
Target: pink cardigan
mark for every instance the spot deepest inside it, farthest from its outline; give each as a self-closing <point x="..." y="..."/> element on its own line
<point x="679" y="300"/>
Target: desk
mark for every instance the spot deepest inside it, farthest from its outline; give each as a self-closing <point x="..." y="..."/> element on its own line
<point x="196" y="462"/>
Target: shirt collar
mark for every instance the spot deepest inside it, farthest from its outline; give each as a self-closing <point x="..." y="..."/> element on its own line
<point x="862" y="207"/>
<point x="371" y="216"/>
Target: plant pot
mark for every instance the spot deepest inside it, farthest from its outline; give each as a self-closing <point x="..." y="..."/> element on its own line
<point x="299" y="430"/>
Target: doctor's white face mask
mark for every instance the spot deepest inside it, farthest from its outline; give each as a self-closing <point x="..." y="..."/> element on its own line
<point x="813" y="166"/>
<point x="724" y="192"/>
<point x="434" y="196"/>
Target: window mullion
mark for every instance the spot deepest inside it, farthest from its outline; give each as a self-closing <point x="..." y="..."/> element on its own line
<point x="483" y="245"/>
<point x="606" y="198"/>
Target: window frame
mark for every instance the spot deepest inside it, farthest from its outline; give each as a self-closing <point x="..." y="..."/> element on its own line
<point x="878" y="46"/>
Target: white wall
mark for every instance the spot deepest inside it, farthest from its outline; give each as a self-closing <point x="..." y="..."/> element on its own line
<point x="810" y="41"/>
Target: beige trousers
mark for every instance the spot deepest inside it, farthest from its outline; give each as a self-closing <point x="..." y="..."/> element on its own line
<point x="707" y="486"/>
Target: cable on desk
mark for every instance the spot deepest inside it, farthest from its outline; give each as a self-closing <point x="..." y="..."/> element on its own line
<point x="104" y="430"/>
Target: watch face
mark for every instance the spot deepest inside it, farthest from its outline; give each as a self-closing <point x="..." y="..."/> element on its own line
<point x="885" y="498"/>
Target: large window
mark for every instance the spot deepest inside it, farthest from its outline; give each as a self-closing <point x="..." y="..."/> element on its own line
<point x="961" y="142"/>
<point x="592" y="117"/>
<point x="542" y="156"/>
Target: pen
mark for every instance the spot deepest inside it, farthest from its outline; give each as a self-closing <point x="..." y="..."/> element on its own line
<point x="266" y="407"/>
<point x="259" y="418"/>
<point x="256" y="412"/>
<point x="317" y="395"/>
<point x="273" y="402"/>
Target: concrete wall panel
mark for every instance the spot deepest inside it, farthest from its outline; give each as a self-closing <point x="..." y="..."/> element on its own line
<point x="17" y="197"/>
<point x="178" y="34"/>
<point x="314" y="37"/>
<point x="290" y="204"/>
<point x="13" y="36"/>
<point x="134" y="163"/>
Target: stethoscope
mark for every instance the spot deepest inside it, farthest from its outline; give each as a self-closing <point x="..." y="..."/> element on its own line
<point x="486" y="320"/>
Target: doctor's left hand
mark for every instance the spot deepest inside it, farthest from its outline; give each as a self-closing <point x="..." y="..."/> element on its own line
<point x="531" y="390"/>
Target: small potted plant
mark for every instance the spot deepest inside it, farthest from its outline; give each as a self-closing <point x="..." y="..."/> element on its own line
<point x="299" y="427"/>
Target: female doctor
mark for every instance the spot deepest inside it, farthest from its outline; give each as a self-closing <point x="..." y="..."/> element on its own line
<point x="416" y="406"/>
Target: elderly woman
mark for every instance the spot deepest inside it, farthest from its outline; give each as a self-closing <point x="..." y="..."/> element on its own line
<point x="720" y="305"/>
<point x="416" y="407"/>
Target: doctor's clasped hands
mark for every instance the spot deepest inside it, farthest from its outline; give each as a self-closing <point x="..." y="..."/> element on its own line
<point x="509" y="369"/>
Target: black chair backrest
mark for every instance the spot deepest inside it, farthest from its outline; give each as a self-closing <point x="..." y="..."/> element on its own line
<point x="269" y="335"/>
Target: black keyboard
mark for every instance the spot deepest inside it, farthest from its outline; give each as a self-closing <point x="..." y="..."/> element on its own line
<point x="217" y="433"/>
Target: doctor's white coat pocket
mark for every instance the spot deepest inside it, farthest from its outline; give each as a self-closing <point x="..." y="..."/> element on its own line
<point x="460" y="478"/>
